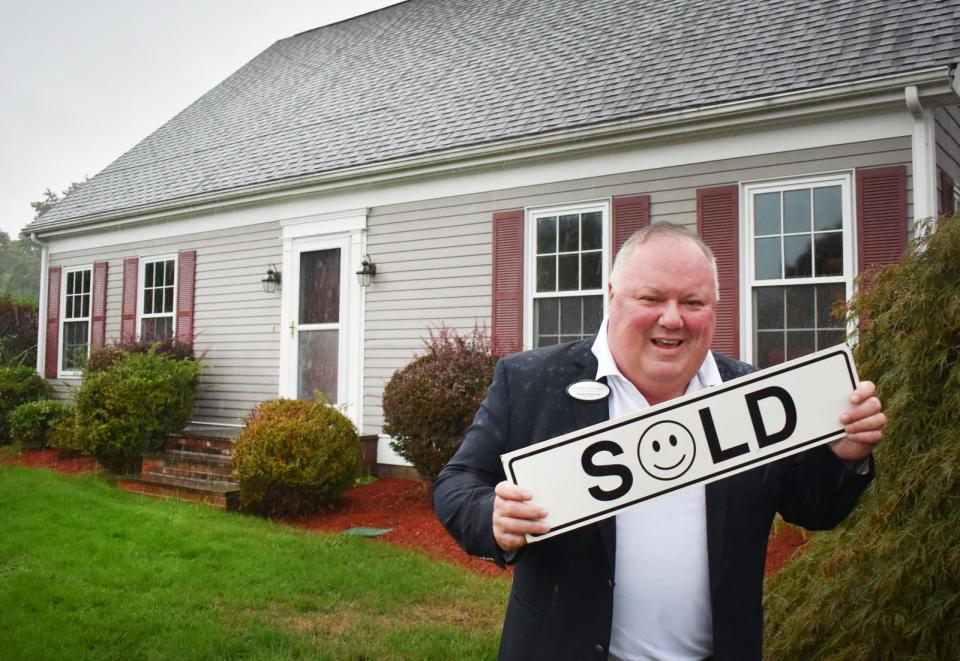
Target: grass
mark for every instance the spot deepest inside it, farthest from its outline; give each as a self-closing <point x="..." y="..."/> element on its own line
<point x="89" y="572"/>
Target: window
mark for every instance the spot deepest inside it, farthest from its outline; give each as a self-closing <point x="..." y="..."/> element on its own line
<point x="568" y="273"/>
<point x="75" y="321"/>
<point x="799" y="268"/>
<point x="157" y="298"/>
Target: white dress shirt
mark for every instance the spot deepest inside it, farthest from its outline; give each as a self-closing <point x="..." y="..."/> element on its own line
<point x="661" y="599"/>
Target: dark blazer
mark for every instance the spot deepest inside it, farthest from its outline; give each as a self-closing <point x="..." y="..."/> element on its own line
<point x="561" y="604"/>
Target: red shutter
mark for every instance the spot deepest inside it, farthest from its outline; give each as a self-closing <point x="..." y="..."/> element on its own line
<point x="946" y="194"/>
<point x="51" y="354"/>
<point x="718" y="224"/>
<point x="507" y="336"/>
<point x="128" y="311"/>
<point x="186" y="272"/>
<point x="99" y="322"/>
<point x="881" y="216"/>
<point x="629" y="215"/>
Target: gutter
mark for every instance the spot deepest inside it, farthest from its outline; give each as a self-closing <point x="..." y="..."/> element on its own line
<point x="924" y="156"/>
<point x="934" y="85"/>
<point x="42" y="316"/>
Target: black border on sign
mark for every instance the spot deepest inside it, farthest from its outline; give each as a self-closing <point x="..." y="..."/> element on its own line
<point x="708" y="393"/>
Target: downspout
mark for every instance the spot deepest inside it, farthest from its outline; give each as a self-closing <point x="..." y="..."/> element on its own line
<point x="924" y="151"/>
<point x="42" y="316"/>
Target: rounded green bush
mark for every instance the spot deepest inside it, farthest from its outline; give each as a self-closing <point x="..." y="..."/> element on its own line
<point x="429" y="404"/>
<point x="18" y="385"/>
<point x="129" y="407"/>
<point x="295" y="457"/>
<point x="30" y="423"/>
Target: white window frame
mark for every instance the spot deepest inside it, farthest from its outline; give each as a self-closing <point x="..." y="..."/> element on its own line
<point x="747" y="280"/>
<point x="531" y="214"/>
<point x="63" y="319"/>
<point x="141" y="285"/>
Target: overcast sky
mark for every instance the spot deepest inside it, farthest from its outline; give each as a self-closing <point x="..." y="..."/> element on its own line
<point x="83" y="82"/>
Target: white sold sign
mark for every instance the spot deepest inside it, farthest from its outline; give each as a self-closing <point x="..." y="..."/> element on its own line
<point x="593" y="473"/>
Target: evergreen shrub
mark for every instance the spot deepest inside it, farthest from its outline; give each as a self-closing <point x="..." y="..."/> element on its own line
<point x="295" y="457"/>
<point x="30" y="423"/>
<point x="18" y="385"/>
<point x="18" y="331"/>
<point x="429" y="404"/>
<point x="887" y="584"/>
<point x="129" y="407"/>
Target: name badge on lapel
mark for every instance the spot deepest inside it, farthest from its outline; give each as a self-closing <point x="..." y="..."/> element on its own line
<point x="588" y="390"/>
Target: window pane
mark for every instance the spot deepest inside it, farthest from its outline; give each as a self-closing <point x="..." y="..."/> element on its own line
<point x="829" y="250"/>
<point x="158" y="301"/>
<point x="147" y="302"/>
<point x="568" y="275"/>
<point x="86" y="282"/>
<point x="829" y="338"/>
<point x="768" y="307"/>
<point x="569" y="233"/>
<point x="800" y="343"/>
<point x="168" y="299"/>
<point x="74" y="345"/>
<point x="797" y="257"/>
<point x="547" y="340"/>
<point x="766" y="213"/>
<point x="169" y="272"/>
<point x="546" y="235"/>
<point x="592" y="231"/>
<point x="591" y="276"/>
<point x="546" y="316"/>
<point x="317" y="365"/>
<point x="156" y="328"/>
<point x="320" y="286"/>
<point x="158" y="275"/>
<point x="547" y="273"/>
<point x="827" y="208"/>
<point x="800" y="307"/>
<point x="796" y="210"/>
<point x="571" y="316"/>
<point x="592" y="314"/>
<point x="768" y="265"/>
<point x="85" y="305"/>
<point x="827" y="297"/>
<point x="769" y="348"/>
<point x="148" y="274"/>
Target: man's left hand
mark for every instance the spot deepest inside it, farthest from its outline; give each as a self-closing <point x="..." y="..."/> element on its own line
<point x="864" y="423"/>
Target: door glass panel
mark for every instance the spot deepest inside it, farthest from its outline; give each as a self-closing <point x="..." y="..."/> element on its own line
<point x="320" y="287"/>
<point x="318" y="365"/>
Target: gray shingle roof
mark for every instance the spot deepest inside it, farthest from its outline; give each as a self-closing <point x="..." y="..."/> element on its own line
<point x="427" y="75"/>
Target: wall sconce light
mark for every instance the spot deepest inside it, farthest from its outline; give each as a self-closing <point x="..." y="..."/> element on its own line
<point x="367" y="270"/>
<point x="272" y="282"/>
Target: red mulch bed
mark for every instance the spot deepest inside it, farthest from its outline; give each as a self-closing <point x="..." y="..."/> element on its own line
<point x="404" y="506"/>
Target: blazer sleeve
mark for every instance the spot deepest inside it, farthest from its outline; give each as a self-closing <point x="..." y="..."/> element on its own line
<point x="463" y="492"/>
<point x="819" y="491"/>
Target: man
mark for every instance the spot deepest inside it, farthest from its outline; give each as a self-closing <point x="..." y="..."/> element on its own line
<point x="676" y="577"/>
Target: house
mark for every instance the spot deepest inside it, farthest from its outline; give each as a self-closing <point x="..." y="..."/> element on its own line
<point x="488" y="158"/>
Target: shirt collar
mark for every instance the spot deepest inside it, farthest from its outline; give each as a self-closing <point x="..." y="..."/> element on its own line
<point x="707" y="375"/>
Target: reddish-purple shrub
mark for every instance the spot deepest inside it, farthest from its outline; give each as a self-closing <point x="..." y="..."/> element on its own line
<point x="104" y="357"/>
<point x="429" y="404"/>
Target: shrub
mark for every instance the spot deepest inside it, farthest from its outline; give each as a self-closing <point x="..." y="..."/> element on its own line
<point x="295" y="457"/>
<point x="18" y="331"/>
<point x="103" y="357"/>
<point x="429" y="404"/>
<point x="887" y="584"/>
<point x="30" y="423"/>
<point x="18" y="385"/>
<point x="129" y="407"/>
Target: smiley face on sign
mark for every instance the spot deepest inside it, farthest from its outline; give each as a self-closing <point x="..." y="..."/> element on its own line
<point x="666" y="450"/>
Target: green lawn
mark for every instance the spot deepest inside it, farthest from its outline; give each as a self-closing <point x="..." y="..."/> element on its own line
<point x="89" y="572"/>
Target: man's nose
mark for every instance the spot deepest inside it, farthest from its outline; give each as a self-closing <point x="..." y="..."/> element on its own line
<point x="670" y="316"/>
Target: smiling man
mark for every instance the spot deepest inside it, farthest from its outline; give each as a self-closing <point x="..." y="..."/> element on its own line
<point x="676" y="577"/>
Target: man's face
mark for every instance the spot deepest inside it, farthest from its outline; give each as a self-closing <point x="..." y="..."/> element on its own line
<point x="662" y="312"/>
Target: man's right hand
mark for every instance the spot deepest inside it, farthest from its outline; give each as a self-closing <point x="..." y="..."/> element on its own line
<point x="514" y="517"/>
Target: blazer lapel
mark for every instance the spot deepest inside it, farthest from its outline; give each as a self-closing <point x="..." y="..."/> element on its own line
<point x="587" y="414"/>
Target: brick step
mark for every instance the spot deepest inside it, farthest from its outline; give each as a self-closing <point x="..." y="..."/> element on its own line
<point x="212" y="468"/>
<point x="199" y="445"/>
<point x="225" y="497"/>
